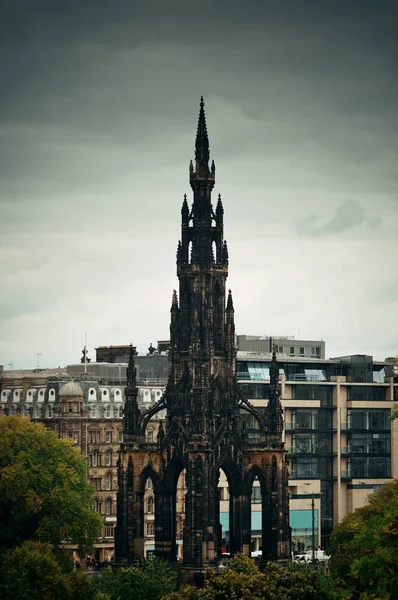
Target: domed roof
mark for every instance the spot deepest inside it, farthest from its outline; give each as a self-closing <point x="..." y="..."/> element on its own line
<point x="71" y="389"/>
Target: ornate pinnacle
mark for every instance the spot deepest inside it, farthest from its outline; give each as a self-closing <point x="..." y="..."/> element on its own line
<point x="274" y="371"/>
<point x="230" y="304"/>
<point x="174" y="301"/>
<point x="131" y="370"/>
<point x="219" y="207"/>
<point x="202" y="141"/>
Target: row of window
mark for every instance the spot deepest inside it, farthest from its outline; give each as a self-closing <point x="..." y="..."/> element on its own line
<point x="98" y="482"/>
<point x="108" y="411"/>
<point x="94" y="437"/>
<point x="96" y="459"/>
<point x="318" y="468"/>
<point x="97" y="506"/>
<point x="34" y="412"/>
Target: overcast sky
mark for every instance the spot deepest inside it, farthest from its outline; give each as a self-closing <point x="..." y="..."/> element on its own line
<point x="99" y="106"/>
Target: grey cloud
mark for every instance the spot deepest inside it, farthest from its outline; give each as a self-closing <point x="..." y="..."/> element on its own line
<point x="348" y="215"/>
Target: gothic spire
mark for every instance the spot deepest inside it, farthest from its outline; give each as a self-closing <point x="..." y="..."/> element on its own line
<point x="274" y="404"/>
<point x="202" y="153"/>
<point x="131" y="372"/>
<point x="131" y="410"/>
<point x="174" y="301"/>
<point x="274" y="371"/>
<point x="230" y="305"/>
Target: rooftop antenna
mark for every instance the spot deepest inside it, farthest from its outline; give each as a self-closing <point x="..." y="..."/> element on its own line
<point x="38" y="354"/>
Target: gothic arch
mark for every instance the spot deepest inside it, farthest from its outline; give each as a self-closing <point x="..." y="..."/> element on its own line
<point x="149" y="473"/>
<point x="172" y="473"/>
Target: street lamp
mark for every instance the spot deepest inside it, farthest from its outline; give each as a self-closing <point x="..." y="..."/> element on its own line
<point x="313" y="523"/>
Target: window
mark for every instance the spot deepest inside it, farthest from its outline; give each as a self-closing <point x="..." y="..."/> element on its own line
<point x="150" y="529"/>
<point x="366" y="392"/>
<point x="96" y="481"/>
<point x="324" y="393"/>
<point x="108" y="506"/>
<point x="368" y="419"/>
<point x="95" y="505"/>
<point x="280" y="349"/>
<point x="256" y="495"/>
<point x="50" y="411"/>
<point x="93" y="412"/>
<point x="150" y="505"/>
<point x="120" y="436"/>
<point x="149" y="435"/>
<point x="302" y="350"/>
<point x="74" y="435"/>
<point x="108" y="437"/>
<point x="305" y="468"/>
<point x="119" y="411"/>
<point x="149" y="484"/>
<point x="305" y="418"/>
<point x="108" y="412"/>
<point x="291" y="349"/>
<point x="369" y="467"/>
<point x="109" y="481"/>
<point x="369" y="443"/>
<point x="108" y="458"/>
<point x="94" y="437"/>
<point x="94" y="461"/>
<point x="109" y="531"/>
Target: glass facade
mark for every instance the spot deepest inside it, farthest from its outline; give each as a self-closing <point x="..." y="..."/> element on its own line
<point x="366" y="392"/>
<point x="368" y="419"/>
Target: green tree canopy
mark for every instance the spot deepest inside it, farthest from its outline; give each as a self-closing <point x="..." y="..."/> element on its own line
<point x="364" y="548"/>
<point x="31" y="572"/>
<point x="149" y="579"/>
<point x="242" y="580"/>
<point x="44" y="493"/>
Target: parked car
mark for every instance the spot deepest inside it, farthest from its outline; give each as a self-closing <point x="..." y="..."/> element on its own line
<point x="320" y="556"/>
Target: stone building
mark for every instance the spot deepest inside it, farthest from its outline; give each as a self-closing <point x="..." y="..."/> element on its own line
<point x="204" y="433"/>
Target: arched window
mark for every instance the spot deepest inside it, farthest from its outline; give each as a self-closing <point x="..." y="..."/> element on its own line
<point x="109" y="481"/>
<point x="120" y="411"/>
<point x="108" y="506"/>
<point x="108" y="458"/>
<point x="95" y="458"/>
<point x="37" y="412"/>
<point x="108" y="412"/>
<point x="95" y="505"/>
<point x="149" y="435"/>
<point x="93" y="412"/>
<point x="150" y="505"/>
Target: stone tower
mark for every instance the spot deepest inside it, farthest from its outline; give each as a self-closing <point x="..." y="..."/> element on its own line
<point x="204" y="430"/>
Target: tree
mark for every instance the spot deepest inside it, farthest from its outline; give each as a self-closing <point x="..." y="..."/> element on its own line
<point x="394" y="412"/>
<point x="364" y="548"/>
<point x="242" y="580"/>
<point x="150" y="579"/>
<point x="44" y="493"/>
<point x="32" y="572"/>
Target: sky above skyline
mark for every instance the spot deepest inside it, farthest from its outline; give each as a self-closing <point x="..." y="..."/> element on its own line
<point x="98" y="112"/>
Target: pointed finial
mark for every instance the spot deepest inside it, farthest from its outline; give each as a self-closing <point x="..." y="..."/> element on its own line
<point x="219" y="207"/>
<point x="230" y="304"/>
<point x="274" y="370"/>
<point x="202" y="141"/>
<point x="174" y="301"/>
<point x="131" y="372"/>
